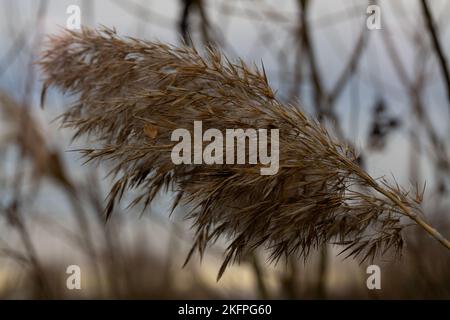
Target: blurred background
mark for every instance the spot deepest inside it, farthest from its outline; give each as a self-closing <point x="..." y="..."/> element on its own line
<point x="385" y="91"/>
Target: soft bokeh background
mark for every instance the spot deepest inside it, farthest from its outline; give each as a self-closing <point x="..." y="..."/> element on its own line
<point x="387" y="98"/>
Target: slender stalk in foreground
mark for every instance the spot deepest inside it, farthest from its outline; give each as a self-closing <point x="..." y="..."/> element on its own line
<point x="132" y="94"/>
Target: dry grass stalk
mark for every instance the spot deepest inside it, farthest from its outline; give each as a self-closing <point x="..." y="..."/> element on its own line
<point x="132" y="94"/>
<point x="24" y="131"/>
<point x="26" y="134"/>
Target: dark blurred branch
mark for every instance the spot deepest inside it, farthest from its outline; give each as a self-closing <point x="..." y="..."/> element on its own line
<point x="186" y="13"/>
<point x="321" y="292"/>
<point x="205" y="25"/>
<point x="306" y="41"/>
<point x="324" y="101"/>
<point x="414" y="89"/>
<point x="304" y="34"/>
<point x="350" y="68"/>
<point x="437" y="46"/>
<point x="13" y="212"/>
<point x="184" y="22"/>
<point x="259" y="274"/>
<point x="289" y="279"/>
<point x="16" y="220"/>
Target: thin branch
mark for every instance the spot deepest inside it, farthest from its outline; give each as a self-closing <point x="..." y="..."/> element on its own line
<point x="437" y="46"/>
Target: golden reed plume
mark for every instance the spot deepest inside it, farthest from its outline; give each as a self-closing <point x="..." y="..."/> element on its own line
<point x="132" y="94"/>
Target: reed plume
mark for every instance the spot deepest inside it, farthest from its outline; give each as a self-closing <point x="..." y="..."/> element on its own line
<point x="131" y="94"/>
<point x="23" y="130"/>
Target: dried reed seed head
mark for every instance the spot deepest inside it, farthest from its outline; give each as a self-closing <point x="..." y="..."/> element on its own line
<point x="24" y="131"/>
<point x="132" y="94"/>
